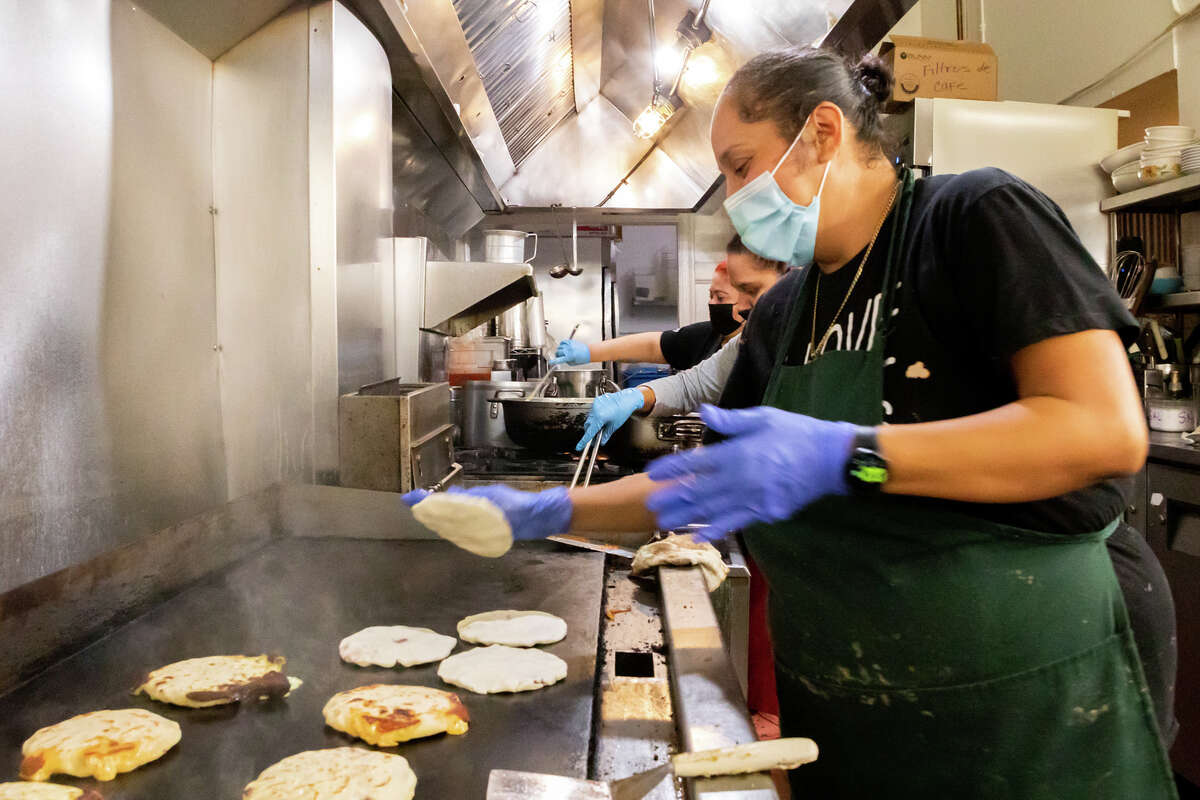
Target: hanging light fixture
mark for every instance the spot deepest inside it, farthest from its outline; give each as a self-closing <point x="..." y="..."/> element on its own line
<point x="669" y="67"/>
<point x="655" y="116"/>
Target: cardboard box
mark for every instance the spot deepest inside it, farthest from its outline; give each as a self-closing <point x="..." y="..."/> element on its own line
<point x="939" y="68"/>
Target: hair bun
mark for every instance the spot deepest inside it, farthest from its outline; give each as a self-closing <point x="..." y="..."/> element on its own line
<point x="873" y="75"/>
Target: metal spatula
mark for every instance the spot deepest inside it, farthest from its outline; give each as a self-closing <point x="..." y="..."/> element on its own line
<point x="738" y="760"/>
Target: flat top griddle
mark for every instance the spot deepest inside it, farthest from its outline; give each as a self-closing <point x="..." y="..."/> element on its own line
<point x="300" y="597"/>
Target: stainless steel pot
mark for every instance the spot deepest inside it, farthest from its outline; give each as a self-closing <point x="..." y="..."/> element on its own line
<point x="545" y="424"/>
<point x="535" y="322"/>
<point x="483" y="414"/>
<point x="581" y="382"/>
<point x="643" y="439"/>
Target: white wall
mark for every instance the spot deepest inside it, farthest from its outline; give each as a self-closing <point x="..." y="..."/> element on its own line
<point x="1186" y="39"/>
<point x="644" y="253"/>
<point x="702" y="240"/>
<point x="1050" y="50"/>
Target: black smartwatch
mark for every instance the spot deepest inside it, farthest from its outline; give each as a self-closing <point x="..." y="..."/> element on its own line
<point x="867" y="469"/>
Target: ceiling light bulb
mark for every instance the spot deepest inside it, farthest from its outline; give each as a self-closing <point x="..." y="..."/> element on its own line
<point x="701" y="71"/>
<point x="669" y="60"/>
<point x="650" y="121"/>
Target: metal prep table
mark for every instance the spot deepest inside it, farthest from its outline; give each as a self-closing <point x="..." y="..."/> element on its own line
<point x="294" y="569"/>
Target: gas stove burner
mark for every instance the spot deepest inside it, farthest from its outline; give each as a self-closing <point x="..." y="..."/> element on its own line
<point x="508" y="462"/>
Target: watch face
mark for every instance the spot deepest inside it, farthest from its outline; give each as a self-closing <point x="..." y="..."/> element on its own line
<point x="869" y="473"/>
<point x="867" y="470"/>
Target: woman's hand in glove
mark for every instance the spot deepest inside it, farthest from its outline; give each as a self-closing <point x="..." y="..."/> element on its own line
<point x="571" y="352"/>
<point x="609" y="412"/>
<point x="531" y="515"/>
<point x="774" y="464"/>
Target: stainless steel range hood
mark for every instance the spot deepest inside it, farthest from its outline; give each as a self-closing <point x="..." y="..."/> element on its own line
<point x="530" y="103"/>
<point x="550" y="126"/>
<point x="462" y="295"/>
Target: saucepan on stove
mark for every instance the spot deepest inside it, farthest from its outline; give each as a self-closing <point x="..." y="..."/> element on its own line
<point x="580" y="382"/>
<point x="545" y="424"/>
<point x="551" y="424"/>
<point x="643" y="439"/>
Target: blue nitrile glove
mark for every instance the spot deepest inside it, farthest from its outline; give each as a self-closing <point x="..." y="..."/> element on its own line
<point x="774" y="464"/>
<point x="571" y="352"/>
<point x="414" y="497"/>
<point x="532" y="515"/>
<point x="609" y="412"/>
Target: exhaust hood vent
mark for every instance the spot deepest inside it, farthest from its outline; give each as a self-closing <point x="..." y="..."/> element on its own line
<point x="462" y="295"/>
<point x="523" y="51"/>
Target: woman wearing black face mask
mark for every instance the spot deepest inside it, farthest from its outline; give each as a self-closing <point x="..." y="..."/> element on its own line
<point x="685" y="391"/>
<point x="681" y="349"/>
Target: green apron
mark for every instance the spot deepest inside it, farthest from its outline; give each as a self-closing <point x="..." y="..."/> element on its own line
<point x="933" y="654"/>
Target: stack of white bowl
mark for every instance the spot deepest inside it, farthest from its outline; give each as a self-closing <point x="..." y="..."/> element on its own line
<point x="1189" y="160"/>
<point x="1123" y="166"/>
<point x="1161" y="160"/>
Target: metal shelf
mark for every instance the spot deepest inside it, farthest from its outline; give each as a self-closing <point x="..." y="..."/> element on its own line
<point x="1173" y="194"/>
<point x="1180" y="301"/>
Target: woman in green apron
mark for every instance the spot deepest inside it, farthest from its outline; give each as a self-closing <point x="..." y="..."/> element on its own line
<point x="930" y="505"/>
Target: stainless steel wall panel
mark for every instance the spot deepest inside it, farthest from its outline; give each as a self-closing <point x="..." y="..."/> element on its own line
<point x="408" y="304"/>
<point x="574" y="299"/>
<point x="55" y="77"/>
<point x="429" y="56"/>
<point x="106" y="239"/>
<point x="261" y="187"/>
<point x="425" y="182"/>
<point x="362" y="134"/>
<point x="322" y="241"/>
<point x="162" y="403"/>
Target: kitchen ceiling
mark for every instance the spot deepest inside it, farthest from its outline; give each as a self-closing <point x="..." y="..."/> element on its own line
<point x="532" y="103"/>
<point x="580" y="150"/>
<point x="214" y="26"/>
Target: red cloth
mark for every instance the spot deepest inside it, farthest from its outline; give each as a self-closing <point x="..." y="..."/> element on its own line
<point x="760" y="678"/>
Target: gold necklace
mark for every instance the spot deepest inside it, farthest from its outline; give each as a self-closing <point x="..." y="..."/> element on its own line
<point x="819" y="349"/>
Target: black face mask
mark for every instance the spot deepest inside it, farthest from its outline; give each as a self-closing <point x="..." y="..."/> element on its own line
<point x="744" y="316"/>
<point x="722" y="318"/>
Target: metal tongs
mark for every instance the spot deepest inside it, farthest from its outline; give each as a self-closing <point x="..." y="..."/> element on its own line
<point x="593" y="444"/>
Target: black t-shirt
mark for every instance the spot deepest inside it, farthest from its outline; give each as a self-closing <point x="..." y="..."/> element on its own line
<point x="691" y="344"/>
<point x="991" y="266"/>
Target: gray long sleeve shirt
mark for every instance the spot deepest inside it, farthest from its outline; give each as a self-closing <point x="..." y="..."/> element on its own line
<point x="685" y="391"/>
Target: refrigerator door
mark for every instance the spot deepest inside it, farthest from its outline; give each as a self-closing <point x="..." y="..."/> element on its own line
<point x="1055" y="148"/>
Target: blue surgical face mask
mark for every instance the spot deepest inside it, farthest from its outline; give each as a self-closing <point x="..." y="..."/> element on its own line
<point x="770" y="223"/>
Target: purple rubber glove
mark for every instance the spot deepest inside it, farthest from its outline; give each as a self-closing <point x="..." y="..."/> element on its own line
<point x="570" y="352"/>
<point x="774" y="464"/>
<point x="532" y="515"/>
<point x="609" y="412"/>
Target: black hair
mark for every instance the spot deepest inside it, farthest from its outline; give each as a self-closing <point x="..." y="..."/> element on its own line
<point x="737" y="247"/>
<point x="784" y="86"/>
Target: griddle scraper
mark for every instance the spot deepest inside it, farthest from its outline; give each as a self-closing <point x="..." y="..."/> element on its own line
<point x="737" y="760"/>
